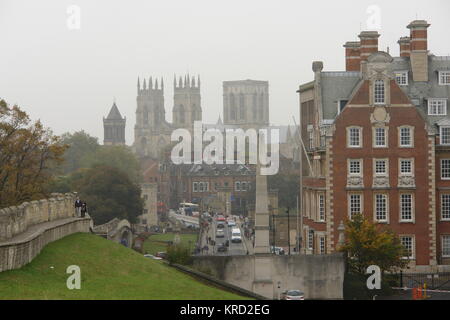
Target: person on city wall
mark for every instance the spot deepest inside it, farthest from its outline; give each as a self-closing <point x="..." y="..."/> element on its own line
<point x="78" y="205"/>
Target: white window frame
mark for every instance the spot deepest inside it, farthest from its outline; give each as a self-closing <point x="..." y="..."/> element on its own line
<point x="386" y="167"/>
<point x="379" y="92"/>
<point x="437" y="107"/>
<point x="444" y="74"/>
<point x="411" y="137"/>
<point x="311" y="239"/>
<point x="349" y="166"/>
<point x="413" y="246"/>
<point x="401" y="77"/>
<point x="445" y="216"/>
<point x="441" y="135"/>
<point x="201" y="187"/>
<point x="322" y="244"/>
<point x="195" y="187"/>
<point x="445" y="237"/>
<point x="321" y="206"/>
<point x="361" y="204"/>
<point x="386" y="207"/>
<point x="349" y="137"/>
<point x="375" y="136"/>
<point x="237" y="186"/>
<point x="442" y="166"/>
<point x="244" y="186"/>
<point x="412" y="218"/>
<point x="406" y="174"/>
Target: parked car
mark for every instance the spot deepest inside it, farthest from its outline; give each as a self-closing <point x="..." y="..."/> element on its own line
<point x="231" y="223"/>
<point x="277" y="250"/>
<point x="292" y="295"/>
<point x="152" y="257"/>
<point x="161" y="254"/>
<point x="220" y="218"/>
<point x="220" y="233"/>
<point x="222" y="248"/>
<point x="220" y="225"/>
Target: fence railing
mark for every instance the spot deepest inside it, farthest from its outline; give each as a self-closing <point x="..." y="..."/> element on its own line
<point x="433" y="281"/>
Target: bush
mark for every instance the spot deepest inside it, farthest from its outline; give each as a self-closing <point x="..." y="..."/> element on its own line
<point x="179" y="254"/>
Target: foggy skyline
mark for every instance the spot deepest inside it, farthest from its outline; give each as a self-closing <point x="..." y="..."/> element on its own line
<point x="69" y="78"/>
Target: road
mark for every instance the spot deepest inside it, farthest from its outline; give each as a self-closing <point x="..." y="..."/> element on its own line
<point x="233" y="249"/>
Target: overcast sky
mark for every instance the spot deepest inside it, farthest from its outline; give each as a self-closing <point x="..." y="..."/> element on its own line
<point x="69" y="77"/>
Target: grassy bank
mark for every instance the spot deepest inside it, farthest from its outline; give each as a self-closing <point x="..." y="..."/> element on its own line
<point x="158" y="242"/>
<point x="108" y="271"/>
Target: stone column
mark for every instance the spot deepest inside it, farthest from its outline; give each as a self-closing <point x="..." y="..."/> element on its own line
<point x="262" y="281"/>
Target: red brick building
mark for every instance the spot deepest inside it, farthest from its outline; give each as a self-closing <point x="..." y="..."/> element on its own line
<point x="378" y="139"/>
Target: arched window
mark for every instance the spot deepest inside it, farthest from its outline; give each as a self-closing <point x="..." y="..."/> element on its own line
<point x="255" y="107"/>
<point x="145" y="115"/>
<point x="182" y="114"/>
<point x="261" y="107"/>
<point x="242" y="106"/>
<point x="233" y="111"/>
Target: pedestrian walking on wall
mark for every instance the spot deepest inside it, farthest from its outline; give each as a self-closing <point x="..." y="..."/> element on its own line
<point x="78" y="205"/>
<point x="83" y="209"/>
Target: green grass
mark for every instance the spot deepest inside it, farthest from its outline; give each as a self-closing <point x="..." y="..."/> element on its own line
<point x="155" y="243"/>
<point x="108" y="271"/>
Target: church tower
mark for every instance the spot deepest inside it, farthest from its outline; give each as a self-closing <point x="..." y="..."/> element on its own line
<point x="152" y="131"/>
<point x="186" y="102"/>
<point x="150" y="112"/>
<point x="246" y="103"/>
<point x="114" y="127"/>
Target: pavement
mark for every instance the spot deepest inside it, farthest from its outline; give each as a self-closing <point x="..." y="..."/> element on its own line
<point x="233" y="249"/>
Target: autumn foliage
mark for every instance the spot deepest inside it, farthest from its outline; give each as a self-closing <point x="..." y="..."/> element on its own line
<point x="368" y="243"/>
<point x="28" y="151"/>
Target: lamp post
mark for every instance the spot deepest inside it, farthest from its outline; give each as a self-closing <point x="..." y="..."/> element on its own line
<point x="289" y="233"/>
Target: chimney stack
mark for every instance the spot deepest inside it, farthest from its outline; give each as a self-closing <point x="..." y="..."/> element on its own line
<point x="352" y="56"/>
<point x="405" y="46"/>
<point x="369" y="43"/>
<point x="419" y="49"/>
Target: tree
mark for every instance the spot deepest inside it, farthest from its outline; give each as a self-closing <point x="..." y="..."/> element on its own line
<point x="120" y="157"/>
<point x="80" y="145"/>
<point x="28" y="151"/>
<point x="367" y="243"/>
<point x="288" y="186"/>
<point x="109" y="193"/>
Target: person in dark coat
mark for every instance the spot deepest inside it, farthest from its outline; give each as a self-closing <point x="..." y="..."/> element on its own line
<point x="83" y="209"/>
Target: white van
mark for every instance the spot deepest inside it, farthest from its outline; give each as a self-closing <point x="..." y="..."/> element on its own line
<point x="236" y="235"/>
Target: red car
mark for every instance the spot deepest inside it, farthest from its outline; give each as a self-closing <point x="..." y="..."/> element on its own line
<point x="220" y="218"/>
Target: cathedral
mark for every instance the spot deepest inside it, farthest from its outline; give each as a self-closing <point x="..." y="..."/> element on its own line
<point x="245" y="105"/>
<point x="152" y="131"/>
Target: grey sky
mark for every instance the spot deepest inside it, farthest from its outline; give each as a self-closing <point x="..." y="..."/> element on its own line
<point x="68" y="78"/>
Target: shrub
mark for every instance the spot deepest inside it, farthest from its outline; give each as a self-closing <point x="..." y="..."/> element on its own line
<point x="179" y="254"/>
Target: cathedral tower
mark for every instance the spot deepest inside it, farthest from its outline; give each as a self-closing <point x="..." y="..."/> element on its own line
<point x="152" y="131"/>
<point x="186" y="102"/>
<point x="246" y="103"/>
<point x="114" y="127"/>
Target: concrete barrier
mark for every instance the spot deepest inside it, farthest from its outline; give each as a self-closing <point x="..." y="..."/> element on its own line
<point x="318" y="276"/>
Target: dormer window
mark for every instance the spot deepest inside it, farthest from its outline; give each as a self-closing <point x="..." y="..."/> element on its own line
<point x="444" y="78"/>
<point x="379" y="92"/>
<point x="437" y="107"/>
<point x="402" y="78"/>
